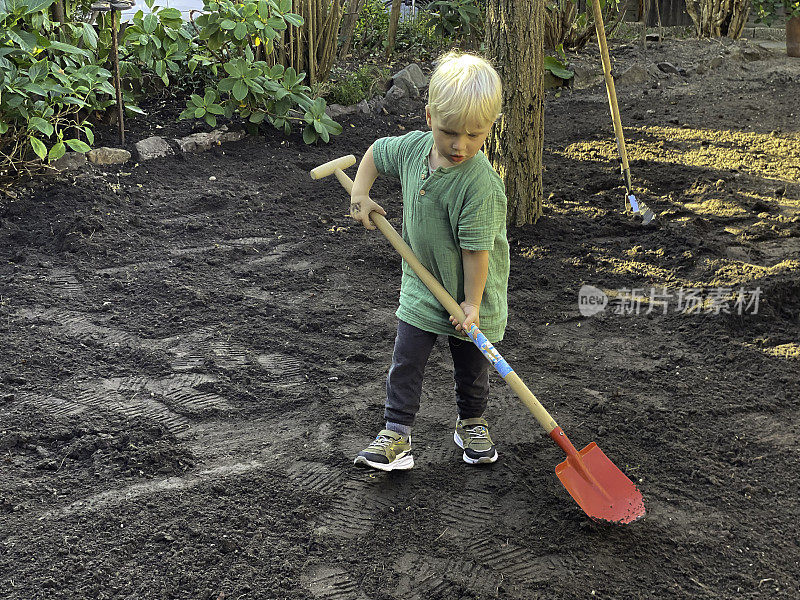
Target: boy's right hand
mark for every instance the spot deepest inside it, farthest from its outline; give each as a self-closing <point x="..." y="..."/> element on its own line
<point x="361" y="206"/>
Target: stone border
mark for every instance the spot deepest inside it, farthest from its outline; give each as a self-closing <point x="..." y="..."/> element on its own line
<point x="405" y="86"/>
<point x="149" y="149"/>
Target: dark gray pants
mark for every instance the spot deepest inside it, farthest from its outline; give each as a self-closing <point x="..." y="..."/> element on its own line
<point x="412" y="347"/>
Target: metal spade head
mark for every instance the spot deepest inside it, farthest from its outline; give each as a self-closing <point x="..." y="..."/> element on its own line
<point x="598" y="486"/>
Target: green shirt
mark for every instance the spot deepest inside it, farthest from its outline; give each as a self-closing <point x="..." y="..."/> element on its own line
<point x="463" y="206"/>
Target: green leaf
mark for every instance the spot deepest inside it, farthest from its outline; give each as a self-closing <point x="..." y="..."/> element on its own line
<point x="69" y="49"/>
<point x="41" y="125"/>
<point x="134" y="109"/>
<point x="211" y="119"/>
<point x="240" y="32"/>
<point x="226" y="85"/>
<point x="240" y="90"/>
<point x="28" y="7"/>
<point x="558" y="69"/>
<point x="57" y="151"/>
<point x="34" y="88"/>
<point x="309" y="135"/>
<point x="215" y="109"/>
<point x="89" y="134"/>
<point x="38" y="70"/>
<point x="209" y="97"/>
<point x="227" y="24"/>
<point x="285" y="5"/>
<point x="89" y="36"/>
<point x="196" y="100"/>
<point x="257" y="117"/>
<point x="39" y="148"/>
<point x="199" y="113"/>
<point x="294" y="19"/>
<point x="78" y="146"/>
<point x="169" y="14"/>
<point x="24" y="39"/>
<point x="187" y="114"/>
<point x="150" y="23"/>
<point x="233" y="69"/>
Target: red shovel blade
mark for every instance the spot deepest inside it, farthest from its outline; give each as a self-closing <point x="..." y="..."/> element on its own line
<point x="598" y="486"/>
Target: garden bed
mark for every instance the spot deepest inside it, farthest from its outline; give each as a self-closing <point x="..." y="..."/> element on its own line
<point x="195" y="347"/>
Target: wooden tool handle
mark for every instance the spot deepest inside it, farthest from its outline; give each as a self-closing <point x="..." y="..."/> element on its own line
<point x="330" y="167"/>
<point x="443" y="296"/>
<point x="610" y="88"/>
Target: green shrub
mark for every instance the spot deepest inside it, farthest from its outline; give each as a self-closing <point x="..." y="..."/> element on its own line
<point x="157" y="43"/>
<point x="229" y="36"/>
<point x="457" y="19"/>
<point x="50" y="81"/>
<point x="372" y="27"/>
<point x="416" y="36"/>
<point x="355" y="87"/>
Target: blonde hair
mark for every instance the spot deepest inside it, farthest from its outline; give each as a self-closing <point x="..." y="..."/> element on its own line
<point x="465" y="89"/>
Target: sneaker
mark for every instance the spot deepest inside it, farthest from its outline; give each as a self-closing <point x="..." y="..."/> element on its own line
<point x="473" y="436"/>
<point x="390" y="451"/>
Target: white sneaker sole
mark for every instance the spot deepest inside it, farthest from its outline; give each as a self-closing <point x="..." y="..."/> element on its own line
<point x="473" y="461"/>
<point x="403" y="463"/>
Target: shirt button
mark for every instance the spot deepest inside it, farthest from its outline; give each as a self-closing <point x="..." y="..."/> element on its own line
<point x="422" y="192"/>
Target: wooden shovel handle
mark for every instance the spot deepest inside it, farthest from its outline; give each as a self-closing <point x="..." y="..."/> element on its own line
<point x="611" y="89"/>
<point x="444" y="297"/>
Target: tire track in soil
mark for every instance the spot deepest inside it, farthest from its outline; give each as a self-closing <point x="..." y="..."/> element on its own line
<point x="331" y="583"/>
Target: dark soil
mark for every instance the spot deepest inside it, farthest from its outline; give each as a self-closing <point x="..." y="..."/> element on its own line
<point x="189" y="365"/>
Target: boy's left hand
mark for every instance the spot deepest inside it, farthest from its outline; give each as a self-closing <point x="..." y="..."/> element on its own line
<point x="472" y="311"/>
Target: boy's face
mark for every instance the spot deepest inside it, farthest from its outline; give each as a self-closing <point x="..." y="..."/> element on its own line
<point x="456" y="144"/>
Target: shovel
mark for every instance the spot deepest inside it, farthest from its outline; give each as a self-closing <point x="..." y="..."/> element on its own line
<point x="598" y="486"/>
<point x="631" y="203"/>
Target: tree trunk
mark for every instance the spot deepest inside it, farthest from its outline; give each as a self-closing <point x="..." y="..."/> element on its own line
<point x="718" y="18"/>
<point x="515" y="43"/>
<point x="394" y="19"/>
<point x="349" y="25"/>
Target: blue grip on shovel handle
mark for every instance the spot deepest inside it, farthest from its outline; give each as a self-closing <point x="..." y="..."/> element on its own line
<point x="489" y="351"/>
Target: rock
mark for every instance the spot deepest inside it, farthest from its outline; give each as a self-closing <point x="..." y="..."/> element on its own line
<point x="716" y="62"/>
<point x="153" y="147"/>
<point x="334" y="111"/>
<point x="746" y="54"/>
<point x="70" y="161"/>
<point x="200" y="142"/>
<point x="108" y="156"/>
<point x="403" y="80"/>
<point x="636" y="74"/>
<point x="363" y="107"/>
<point x="553" y="81"/>
<point x="585" y="78"/>
<point x="656" y="73"/>
<point x="417" y="76"/>
<point x="376" y="104"/>
<point x="667" y="67"/>
<point x="396" y="100"/>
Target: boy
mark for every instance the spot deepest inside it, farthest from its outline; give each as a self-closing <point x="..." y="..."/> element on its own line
<point x="454" y="219"/>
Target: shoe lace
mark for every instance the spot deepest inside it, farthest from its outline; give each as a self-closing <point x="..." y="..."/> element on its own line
<point x="478" y="432"/>
<point x="382" y="441"/>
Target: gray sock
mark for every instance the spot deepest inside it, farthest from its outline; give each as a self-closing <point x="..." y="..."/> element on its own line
<point x="404" y="430"/>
